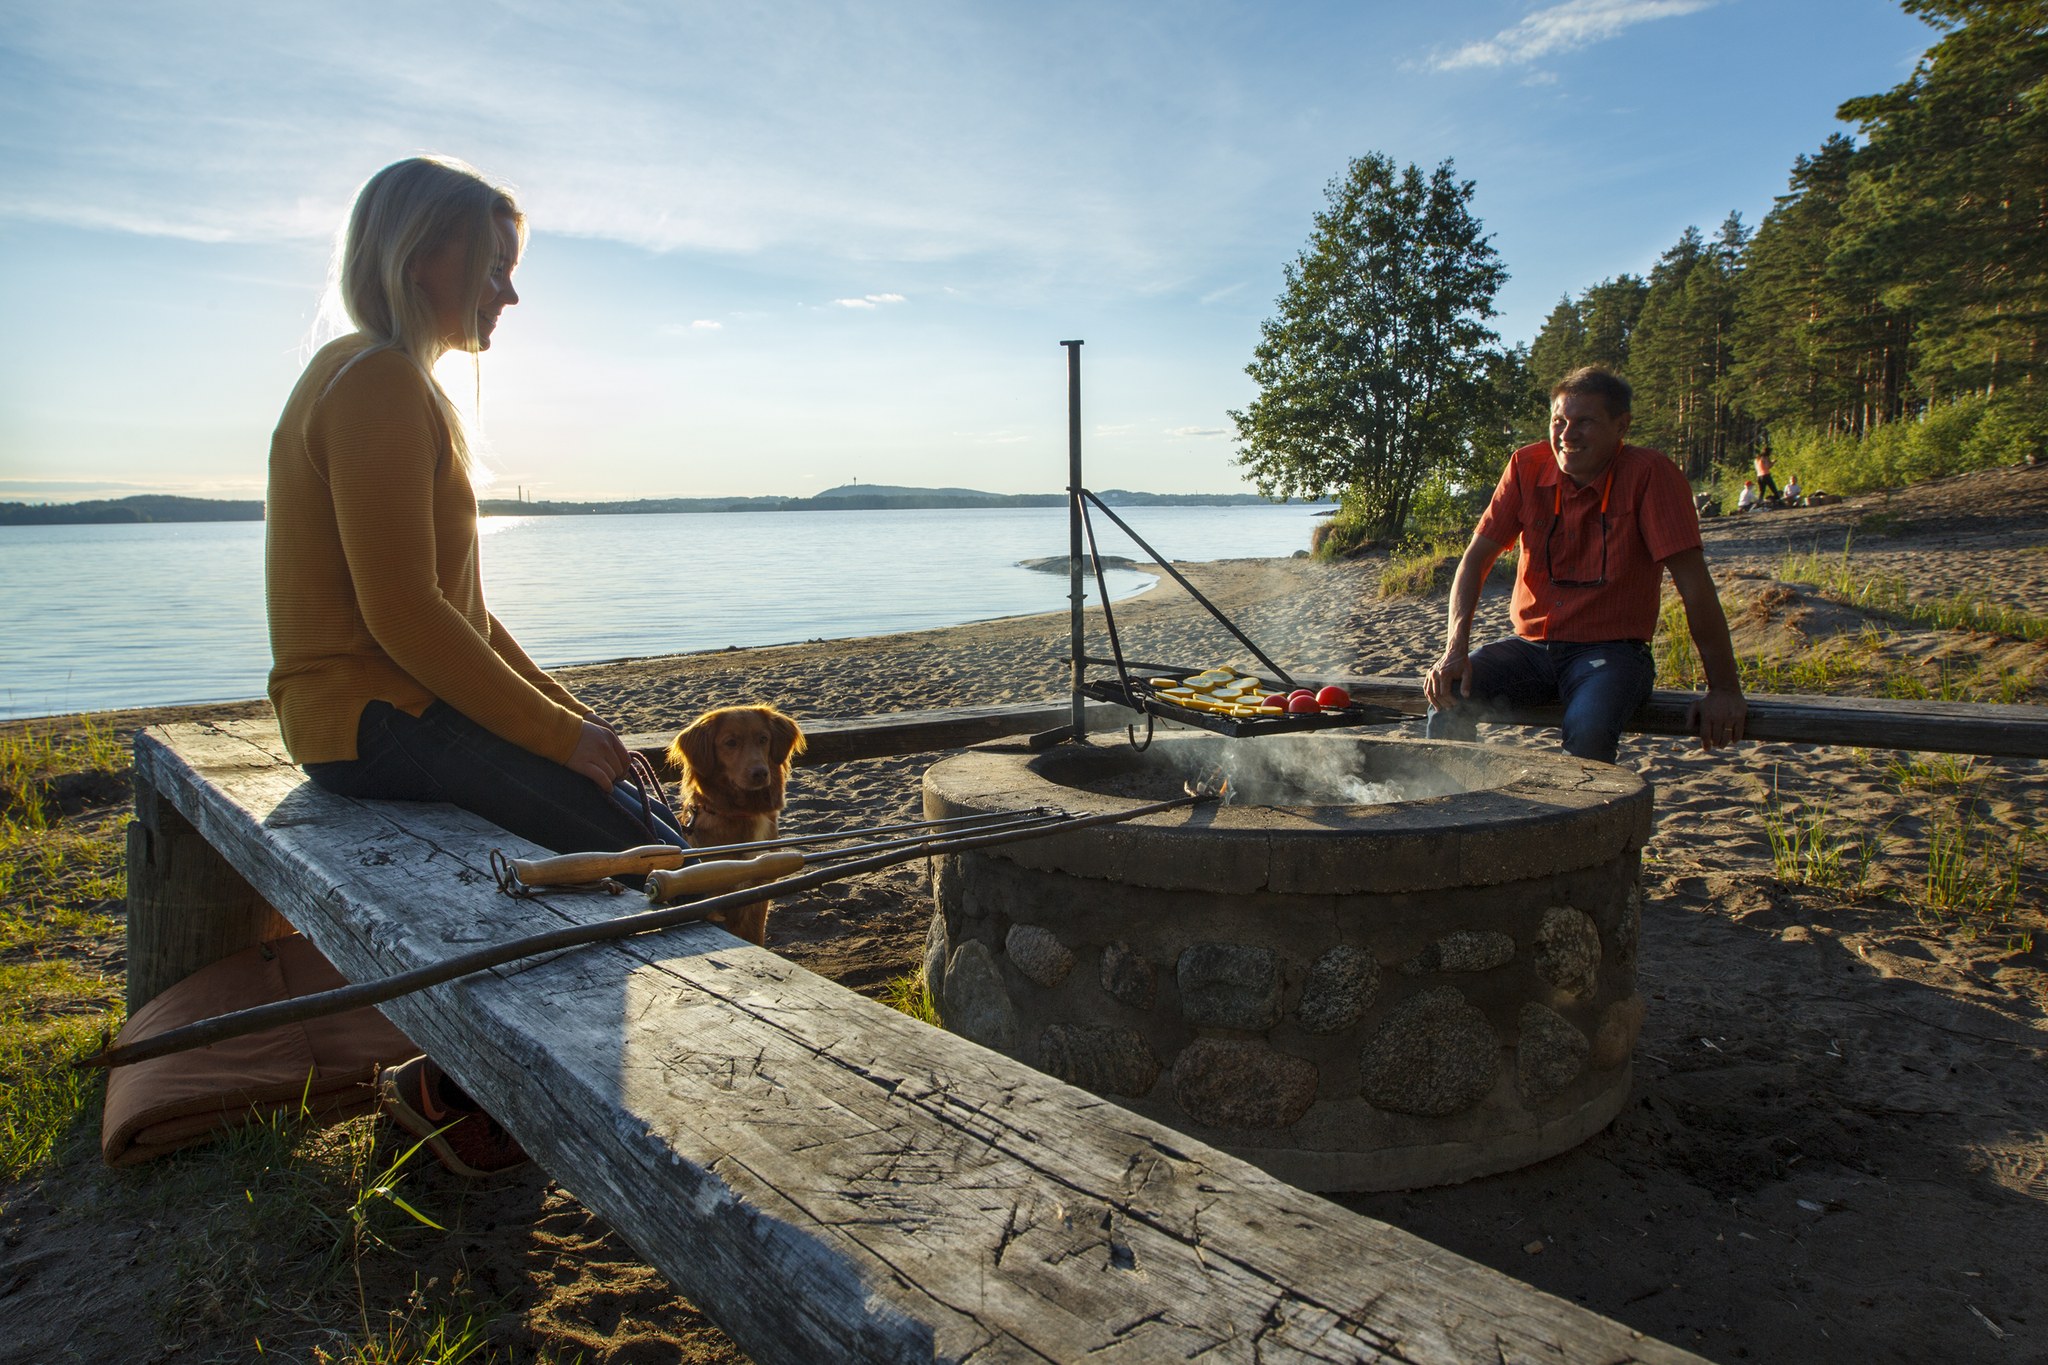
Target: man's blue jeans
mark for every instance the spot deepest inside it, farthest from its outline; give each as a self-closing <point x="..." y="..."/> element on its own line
<point x="1601" y="686"/>
<point x="442" y="755"/>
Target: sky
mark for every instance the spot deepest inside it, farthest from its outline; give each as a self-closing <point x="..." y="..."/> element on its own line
<point x="781" y="247"/>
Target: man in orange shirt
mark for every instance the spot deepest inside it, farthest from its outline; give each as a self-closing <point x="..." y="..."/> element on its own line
<point x="1599" y="522"/>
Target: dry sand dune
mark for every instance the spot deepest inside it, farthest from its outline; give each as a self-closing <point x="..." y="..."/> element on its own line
<point x="1835" y="1151"/>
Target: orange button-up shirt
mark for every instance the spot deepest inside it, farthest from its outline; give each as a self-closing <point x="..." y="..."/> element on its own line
<point x="1592" y="558"/>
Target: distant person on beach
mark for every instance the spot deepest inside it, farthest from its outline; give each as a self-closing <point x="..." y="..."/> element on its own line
<point x="1746" y="500"/>
<point x="1600" y="522"/>
<point x="1793" y="492"/>
<point x="391" y="679"/>
<point x="1766" y="486"/>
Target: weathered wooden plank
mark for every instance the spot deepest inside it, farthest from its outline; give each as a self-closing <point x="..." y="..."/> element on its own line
<point x="904" y="732"/>
<point x="825" y="1177"/>
<point x="187" y="908"/>
<point x="1866" y="722"/>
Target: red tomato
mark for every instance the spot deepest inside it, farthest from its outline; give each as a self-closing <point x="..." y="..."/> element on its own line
<point x="1333" y="697"/>
<point x="1301" y="692"/>
<point x="1276" y="700"/>
<point x="1302" y="704"/>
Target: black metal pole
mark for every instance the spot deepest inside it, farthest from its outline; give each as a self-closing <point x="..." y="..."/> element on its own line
<point x="1075" y="590"/>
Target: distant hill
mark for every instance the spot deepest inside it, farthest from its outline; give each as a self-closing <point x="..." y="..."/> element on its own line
<point x="850" y="497"/>
<point x="141" y="507"/>
<point x="862" y="497"/>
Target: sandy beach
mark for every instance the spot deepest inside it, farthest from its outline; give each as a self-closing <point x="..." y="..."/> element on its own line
<point x="1835" y="1150"/>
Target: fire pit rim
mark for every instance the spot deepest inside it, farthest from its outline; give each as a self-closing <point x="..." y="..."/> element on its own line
<point x="1548" y="812"/>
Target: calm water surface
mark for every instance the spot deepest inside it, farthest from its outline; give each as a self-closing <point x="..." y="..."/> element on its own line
<point x="97" y="617"/>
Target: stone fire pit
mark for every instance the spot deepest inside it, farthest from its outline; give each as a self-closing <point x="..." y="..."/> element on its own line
<point x="1414" y="964"/>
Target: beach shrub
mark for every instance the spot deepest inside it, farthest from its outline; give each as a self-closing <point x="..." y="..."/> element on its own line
<point x="1342" y="534"/>
<point x="1966" y="434"/>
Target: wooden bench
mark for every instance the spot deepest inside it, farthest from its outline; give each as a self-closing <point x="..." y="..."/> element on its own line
<point x="1877" y="723"/>
<point x="828" y="1179"/>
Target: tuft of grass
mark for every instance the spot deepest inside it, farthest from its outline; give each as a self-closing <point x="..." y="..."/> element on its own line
<point x="1806" y="850"/>
<point x="1426" y="568"/>
<point x="908" y="994"/>
<point x="1974" y="870"/>
<point x="1934" y="772"/>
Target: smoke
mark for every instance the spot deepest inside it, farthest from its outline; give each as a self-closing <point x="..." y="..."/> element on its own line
<point x="1302" y="770"/>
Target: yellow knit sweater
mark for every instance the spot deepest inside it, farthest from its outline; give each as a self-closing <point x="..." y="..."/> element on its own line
<point x="370" y="569"/>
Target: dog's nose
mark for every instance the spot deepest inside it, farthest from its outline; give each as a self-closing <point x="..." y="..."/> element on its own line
<point x="758" y="775"/>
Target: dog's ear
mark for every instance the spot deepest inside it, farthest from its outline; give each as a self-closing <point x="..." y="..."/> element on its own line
<point x="785" y="738"/>
<point x="695" y="750"/>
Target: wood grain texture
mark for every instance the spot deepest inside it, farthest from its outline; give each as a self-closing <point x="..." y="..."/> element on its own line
<point x="827" y="1178"/>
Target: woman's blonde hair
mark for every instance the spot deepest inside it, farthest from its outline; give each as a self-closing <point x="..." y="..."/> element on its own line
<point x="402" y="214"/>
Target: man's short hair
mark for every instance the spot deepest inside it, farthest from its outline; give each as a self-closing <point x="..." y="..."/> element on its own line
<point x="1596" y="381"/>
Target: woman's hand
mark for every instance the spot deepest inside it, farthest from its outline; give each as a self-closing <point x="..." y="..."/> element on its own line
<point x="600" y="755"/>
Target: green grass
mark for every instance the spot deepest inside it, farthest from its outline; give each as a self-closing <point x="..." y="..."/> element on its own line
<point x="908" y="994"/>
<point x="1974" y="870"/>
<point x="1839" y="579"/>
<point x="1426" y="569"/>
<point x="58" y="882"/>
<point x="1806" y="848"/>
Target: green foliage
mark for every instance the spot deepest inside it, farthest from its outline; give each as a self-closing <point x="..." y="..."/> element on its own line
<point x="908" y="994"/>
<point x="1807" y="849"/>
<point x="1377" y="368"/>
<point x="1343" y="533"/>
<point x="1968" y="433"/>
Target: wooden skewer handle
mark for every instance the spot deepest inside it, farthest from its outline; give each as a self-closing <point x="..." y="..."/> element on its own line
<point x="724" y="874"/>
<point x="572" y="869"/>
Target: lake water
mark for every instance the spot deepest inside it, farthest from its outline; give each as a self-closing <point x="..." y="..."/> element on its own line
<point x="98" y="617"/>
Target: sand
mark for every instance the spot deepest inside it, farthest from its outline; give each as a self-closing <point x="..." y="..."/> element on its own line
<point x="1834" y="1150"/>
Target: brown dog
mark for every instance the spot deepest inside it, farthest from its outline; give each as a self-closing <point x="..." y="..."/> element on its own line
<point x="735" y="763"/>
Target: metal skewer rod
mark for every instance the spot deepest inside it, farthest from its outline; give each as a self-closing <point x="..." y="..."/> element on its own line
<point x="990" y="818"/>
<point x="261" y="1017"/>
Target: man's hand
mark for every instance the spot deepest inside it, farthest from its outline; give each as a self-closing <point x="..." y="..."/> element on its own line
<point x="1449" y="680"/>
<point x="1718" y="717"/>
<point x="600" y="755"/>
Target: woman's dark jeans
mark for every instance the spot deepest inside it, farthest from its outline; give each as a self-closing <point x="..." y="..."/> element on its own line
<point x="443" y="755"/>
<point x="1601" y="686"/>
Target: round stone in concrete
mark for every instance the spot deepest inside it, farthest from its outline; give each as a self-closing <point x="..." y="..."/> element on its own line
<point x="1105" y="1058"/>
<point x="1433" y="1055"/>
<point x="1466" y="950"/>
<point x="1340" y="988"/>
<point x="1038" y="953"/>
<point x="1550" y="1054"/>
<point x="1229" y="985"/>
<point x="1234" y="1083"/>
<point x="974" y="1003"/>
<point x="1127" y="977"/>
<point x="936" y="950"/>
<point x="1568" y="951"/>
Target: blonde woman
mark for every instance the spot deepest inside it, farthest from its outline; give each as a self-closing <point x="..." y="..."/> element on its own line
<point x="390" y="677"/>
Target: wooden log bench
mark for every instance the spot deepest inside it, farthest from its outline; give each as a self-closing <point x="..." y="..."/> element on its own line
<point x="828" y="1179"/>
<point x="1871" y="722"/>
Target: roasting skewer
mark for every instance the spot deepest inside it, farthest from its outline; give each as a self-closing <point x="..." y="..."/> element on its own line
<point x="578" y="869"/>
<point x="323" y="1003"/>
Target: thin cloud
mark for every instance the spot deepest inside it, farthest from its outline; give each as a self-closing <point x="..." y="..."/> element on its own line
<point x="1196" y="431"/>
<point x="869" y="301"/>
<point x="1564" y="28"/>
